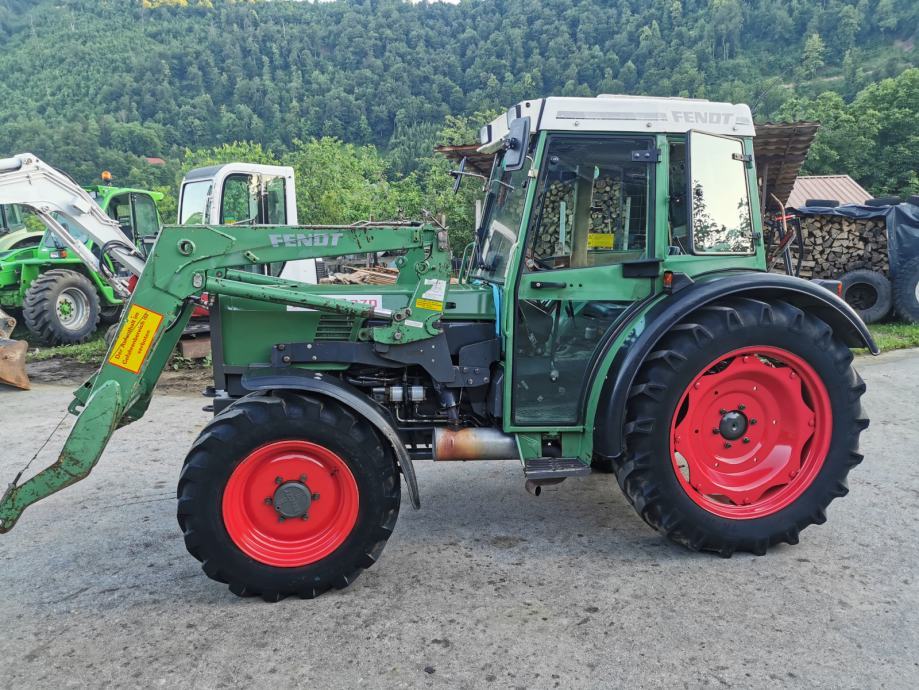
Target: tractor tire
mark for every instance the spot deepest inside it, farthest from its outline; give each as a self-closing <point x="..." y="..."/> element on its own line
<point x="287" y="494"/>
<point x="755" y="465"/>
<point x="906" y="291"/>
<point x="61" y="307"/>
<point x="110" y="315"/>
<point x="868" y="293"/>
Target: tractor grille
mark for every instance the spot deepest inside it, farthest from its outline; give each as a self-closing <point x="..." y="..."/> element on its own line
<point x="335" y="327"/>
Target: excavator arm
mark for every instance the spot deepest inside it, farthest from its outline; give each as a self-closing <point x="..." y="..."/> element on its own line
<point x="189" y="260"/>
<point x="63" y="206"/>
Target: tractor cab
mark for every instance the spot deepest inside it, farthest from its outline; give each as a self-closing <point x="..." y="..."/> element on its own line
<point x="588" y="205"/>
<point x="245" y="194"/>
<point x="135" y="211"/>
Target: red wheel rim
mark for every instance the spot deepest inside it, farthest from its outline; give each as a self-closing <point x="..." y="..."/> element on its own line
<point x="751" y="432"/>
<point x="251" y="496"/>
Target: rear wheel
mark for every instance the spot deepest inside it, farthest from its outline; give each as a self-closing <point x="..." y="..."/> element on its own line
<point x="61" y="307"/>
<point x="742" y="427"/>
<point x="287" y="495"/>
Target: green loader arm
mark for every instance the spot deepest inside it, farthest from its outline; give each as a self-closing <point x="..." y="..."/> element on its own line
<point x="189" y="260"/>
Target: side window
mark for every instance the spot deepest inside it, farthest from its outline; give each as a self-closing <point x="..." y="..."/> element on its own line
<point x="677" y="215"/>
<point x="719" y="199"/>
<point x="592" y="204"/>
<point x="146" y="219"/>
<point x="277" y="208"/>
<point x="239" y="205"/>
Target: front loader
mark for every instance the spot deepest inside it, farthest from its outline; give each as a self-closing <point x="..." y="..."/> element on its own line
<point x="613" y="315"/>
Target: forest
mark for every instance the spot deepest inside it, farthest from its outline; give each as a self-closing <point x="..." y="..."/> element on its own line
<point x="355" y="94"/>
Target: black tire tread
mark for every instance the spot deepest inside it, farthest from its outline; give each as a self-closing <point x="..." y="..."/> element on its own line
<point x="882" y="288"/>
<point x="262" y="409"/>
<point x="904" y="290"/>
<point x="633" y="467"/>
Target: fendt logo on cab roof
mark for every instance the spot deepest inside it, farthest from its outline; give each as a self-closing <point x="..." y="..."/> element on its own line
<point x="700" y="118"/>
<point x="315" y="239"/>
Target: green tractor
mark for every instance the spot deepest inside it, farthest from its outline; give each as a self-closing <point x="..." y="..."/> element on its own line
<point x="614" y="314"/>
<point x="62" y="300"/>
<point x="14" y="233"/>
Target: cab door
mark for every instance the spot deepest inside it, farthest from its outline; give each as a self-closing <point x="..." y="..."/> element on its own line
<point x="588" y="256"/>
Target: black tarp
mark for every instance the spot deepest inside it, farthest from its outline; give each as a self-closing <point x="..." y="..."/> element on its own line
<point x="902" y="222"/>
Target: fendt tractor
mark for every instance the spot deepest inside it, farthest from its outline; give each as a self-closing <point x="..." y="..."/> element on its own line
<point x="614" y="314"/>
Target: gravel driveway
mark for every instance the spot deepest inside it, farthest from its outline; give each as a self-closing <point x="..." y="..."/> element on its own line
<point x="486" y="586"/>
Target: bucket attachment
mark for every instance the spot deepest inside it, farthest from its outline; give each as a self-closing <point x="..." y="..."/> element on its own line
<point x="12" y="355"/>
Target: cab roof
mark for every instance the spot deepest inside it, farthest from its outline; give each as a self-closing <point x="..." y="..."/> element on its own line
<point x="619" y="113"/>
<point x="106" y="191"/>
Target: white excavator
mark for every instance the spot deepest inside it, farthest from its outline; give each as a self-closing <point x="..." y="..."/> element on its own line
<point x="228" y="194"/>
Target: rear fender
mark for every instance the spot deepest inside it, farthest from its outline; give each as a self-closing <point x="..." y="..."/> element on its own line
<point x="618" y="379"/>
<point x="332" y="387"/>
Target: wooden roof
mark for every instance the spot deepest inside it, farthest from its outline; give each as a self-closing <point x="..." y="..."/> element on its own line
<point x="780" y="149"/>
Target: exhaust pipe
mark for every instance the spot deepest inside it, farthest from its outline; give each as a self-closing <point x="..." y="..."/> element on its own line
<point x="474" y="443"/>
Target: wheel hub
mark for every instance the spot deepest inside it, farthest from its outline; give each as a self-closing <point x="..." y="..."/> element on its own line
<point x="293" y="500"/>
<point x="751" y="432"/>
<point x="733" y="425"/>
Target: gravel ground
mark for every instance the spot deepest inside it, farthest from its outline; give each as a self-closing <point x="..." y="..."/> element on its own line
<point x="485" y="586"/>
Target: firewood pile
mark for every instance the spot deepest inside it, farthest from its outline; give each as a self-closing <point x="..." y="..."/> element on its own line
<point x="605" y="214"/>
<point x="834" y="245"/>
<point x="378" y="275"/>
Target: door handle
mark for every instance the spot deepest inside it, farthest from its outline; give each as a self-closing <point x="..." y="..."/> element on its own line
<point x="547" y="285"/>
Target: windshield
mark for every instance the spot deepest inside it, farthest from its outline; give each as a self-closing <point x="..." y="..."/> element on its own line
<point x="193" y="208"/>
<point x="503" y="213"/>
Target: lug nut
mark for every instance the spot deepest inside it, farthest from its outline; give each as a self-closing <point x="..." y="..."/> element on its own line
<point x="303" y="479"/>
<point x="727" y="444"/>
<point x="741" y="407"/>
<point x="746" y="439"/>
<point x="278" y="480"/>
<point x="715" y="430"/>
<point x="752" y="421"/>
<point x="315" y="497"/>
<point x="722" y="411"/>
<point x="268" y="501"/>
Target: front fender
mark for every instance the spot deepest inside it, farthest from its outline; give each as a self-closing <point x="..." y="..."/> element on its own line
<point x="332" y="387"/>
<point x="808" y="296"/>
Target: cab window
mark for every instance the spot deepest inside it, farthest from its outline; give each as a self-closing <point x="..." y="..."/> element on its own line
<point x="146" y="218"/>
<point x="240" y="200"/>
<point x="592" y="205"/>
<point x="719" y="199"/>
<point x="277" y="196"/>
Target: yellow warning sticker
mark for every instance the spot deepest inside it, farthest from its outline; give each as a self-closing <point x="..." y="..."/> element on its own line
<point x="135" y="339"/>
<point x="429" y="304"/>
<point x="600" y="240"/>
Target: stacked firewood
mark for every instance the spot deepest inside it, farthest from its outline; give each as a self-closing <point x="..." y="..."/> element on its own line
<point x="378" y="275"/>
<point x="548" y="239"/>
<point x="834" y="245"/>
<point x="605" y="214"/>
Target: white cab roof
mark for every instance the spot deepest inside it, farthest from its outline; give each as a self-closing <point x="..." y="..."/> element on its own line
<point x="612" y="113"/>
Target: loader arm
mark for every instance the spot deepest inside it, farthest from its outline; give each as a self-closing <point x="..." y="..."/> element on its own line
<point x="30" y="182"/>
<point x="189" y="260"/>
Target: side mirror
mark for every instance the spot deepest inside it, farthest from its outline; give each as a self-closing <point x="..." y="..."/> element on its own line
<point x="458" y="174"/>
<point x="516" y="144"/>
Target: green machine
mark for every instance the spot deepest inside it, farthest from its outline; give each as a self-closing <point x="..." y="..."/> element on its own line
<point x="62" y="300"/>
<point x="613" y="315"/>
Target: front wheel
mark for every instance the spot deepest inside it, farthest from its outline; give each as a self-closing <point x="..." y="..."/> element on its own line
<point x="742" y="427"/>
<point x="61" y="307"/>
<point x="287" y="494"/>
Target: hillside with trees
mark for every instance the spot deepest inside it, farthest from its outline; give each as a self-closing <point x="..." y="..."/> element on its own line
<point x="356" y="93"/>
